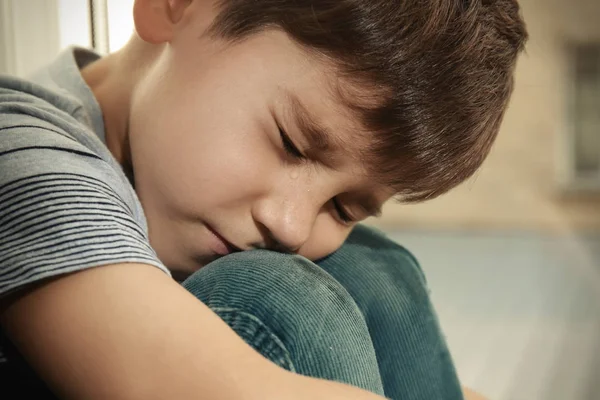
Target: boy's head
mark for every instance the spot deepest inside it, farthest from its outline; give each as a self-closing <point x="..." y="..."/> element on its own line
<point x="272" y="122"/>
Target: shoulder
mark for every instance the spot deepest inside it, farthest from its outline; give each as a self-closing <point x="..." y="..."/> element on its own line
<point x="31" y="148"/>
<point x="64" y="206"/>
<point x="31" y="113"/>
<point x="51" y="127"/>
<point x="22" y="97"/>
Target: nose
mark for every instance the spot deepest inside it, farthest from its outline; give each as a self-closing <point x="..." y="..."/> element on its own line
<point x="286" y="222"/>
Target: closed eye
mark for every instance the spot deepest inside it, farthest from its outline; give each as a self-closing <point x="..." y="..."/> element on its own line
<point x="289" y="146"/>
<point x="343" y="215"/>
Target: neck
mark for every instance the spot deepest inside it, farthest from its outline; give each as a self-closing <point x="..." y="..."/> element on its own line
<point x="113" y="79"/>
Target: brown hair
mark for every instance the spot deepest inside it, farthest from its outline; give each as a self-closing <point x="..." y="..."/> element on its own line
<point x="442" y="69"/>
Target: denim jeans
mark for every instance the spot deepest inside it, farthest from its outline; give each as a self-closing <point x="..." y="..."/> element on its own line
<point x="361" y="316"/>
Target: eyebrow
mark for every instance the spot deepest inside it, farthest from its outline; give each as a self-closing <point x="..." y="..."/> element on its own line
<point x="317" y="135"/>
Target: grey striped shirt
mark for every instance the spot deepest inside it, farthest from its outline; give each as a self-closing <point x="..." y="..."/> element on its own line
<point x="65" y="203"/>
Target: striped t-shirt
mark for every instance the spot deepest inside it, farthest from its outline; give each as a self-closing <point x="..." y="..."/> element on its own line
<point x="65" y="202"/>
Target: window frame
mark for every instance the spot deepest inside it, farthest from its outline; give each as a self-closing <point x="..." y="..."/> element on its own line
<point x="573" y="181"/>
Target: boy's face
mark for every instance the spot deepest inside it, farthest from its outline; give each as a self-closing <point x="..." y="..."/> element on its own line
<point x="211" y="168"/>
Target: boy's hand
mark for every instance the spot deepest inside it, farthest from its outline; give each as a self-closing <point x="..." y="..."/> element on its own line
<point x="130" y="332"/>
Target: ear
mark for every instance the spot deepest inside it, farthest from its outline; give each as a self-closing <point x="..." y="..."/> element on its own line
<point x="155" y="20"/>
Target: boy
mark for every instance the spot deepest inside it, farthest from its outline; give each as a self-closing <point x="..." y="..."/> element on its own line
<point x="227" y="126"/>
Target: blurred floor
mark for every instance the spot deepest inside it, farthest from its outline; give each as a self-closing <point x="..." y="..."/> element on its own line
<point x="521" y="311"/>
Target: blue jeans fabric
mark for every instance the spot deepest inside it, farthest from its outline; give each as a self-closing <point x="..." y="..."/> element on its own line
<point x="361" y="316"/>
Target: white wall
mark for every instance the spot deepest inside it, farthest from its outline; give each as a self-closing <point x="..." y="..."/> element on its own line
<point x="120" y="27"/>
<point x="6" y="41"/>
<point x="29" y="34"/>
<point x="32" y="32"/>
<point x="74" y="25"/>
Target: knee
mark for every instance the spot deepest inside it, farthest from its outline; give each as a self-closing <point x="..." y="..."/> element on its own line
<point x="293" y="313"/>
<point x="382" y="276"/>
<point x="291" y="288"/>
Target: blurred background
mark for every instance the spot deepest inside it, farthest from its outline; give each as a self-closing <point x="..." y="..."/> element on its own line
<point x="513" y="256"/>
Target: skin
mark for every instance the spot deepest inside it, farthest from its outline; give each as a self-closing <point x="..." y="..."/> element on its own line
<point x="203" y="142"/>
<point x="216" y="132"/>
<point x="205" y="154"/>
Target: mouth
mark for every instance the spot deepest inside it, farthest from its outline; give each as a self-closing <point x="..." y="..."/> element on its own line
<point x="220" y="245"/>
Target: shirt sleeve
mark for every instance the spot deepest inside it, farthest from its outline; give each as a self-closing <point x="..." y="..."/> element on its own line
<point x="62" y="209"/>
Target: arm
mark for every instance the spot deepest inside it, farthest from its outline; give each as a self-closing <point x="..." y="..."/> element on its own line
<point x="128" y="331"/>
<point x="124" y="330"/>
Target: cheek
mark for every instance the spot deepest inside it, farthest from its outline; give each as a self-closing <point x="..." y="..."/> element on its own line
<point x="193" y="158"/>
<point x="327" y="237"/>
<point x="195" y="132"/>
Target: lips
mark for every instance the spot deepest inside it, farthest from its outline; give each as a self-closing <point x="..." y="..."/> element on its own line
<point x="220" y="245"/>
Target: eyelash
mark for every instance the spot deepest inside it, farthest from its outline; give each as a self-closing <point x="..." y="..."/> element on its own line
<point x="289" y="146"/>
<point x="291" y="149"/>
<point x="342" y="214"/>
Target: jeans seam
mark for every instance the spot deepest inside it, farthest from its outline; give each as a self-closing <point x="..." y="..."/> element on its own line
<point x="285" y="357"/>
